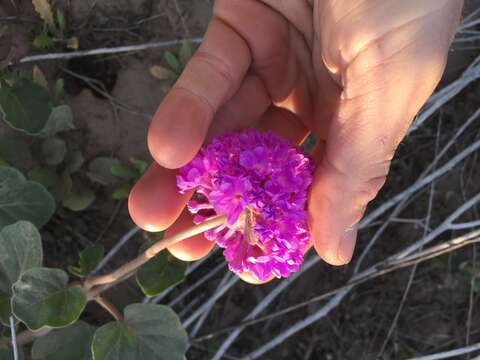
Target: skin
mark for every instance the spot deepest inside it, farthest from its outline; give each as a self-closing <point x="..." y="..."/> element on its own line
<point x="354" y="72"/>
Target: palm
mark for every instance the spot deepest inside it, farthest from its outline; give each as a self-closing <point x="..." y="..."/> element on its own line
<point x="279" y="65"/>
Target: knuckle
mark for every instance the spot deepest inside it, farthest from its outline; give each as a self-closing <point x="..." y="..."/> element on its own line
<point x="217" y="64"/>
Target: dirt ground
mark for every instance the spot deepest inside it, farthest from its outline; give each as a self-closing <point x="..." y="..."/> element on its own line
<point x="435" y="313"/>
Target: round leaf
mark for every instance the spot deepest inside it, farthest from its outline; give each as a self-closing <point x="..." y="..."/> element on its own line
<point x="7" y="354"/>
<point x="20" y="250"/>
<point x="25" y="106"/>
<point x="54" y="151"/>
<point x="89" y="259"/>
<point x="79" y="199"/>
<point x="160" y="273"/>
<point x="150" y="332"/>
<point x="72" y="342"/>
<point x="63" y="187"/>
<point x="41" y="298"/>
<point x="44" y="175"/>
<point x="124" y="171"/>
<point x="162" y="73"/>
<point x="43" y="41"/>
<point x="16" y="151"/>
<point x="122" y="192"/>
<point x="74" y="161"/>
<point x="100" y="170"/>
<point x="60" y="119"/>
<point x="140" y="165"/>
<point x="23" y="200"/>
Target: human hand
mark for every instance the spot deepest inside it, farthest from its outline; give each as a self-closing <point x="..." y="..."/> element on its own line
<point x="353" y="72"/>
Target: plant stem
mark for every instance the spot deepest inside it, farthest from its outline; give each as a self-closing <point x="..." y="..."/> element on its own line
<point x="26" y="337"/>
<point x="107" y="305"/>
<point x="95" y="285"/>
<point x="129" y="268"/>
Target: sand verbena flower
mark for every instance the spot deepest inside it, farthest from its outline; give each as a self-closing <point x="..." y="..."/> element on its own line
<point x="260" y="182"/>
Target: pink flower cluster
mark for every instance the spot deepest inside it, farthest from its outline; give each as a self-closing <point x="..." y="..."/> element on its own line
<point x="260" y="182"/>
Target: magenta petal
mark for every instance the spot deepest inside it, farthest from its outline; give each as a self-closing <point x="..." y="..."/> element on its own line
<point x="262" y="173"/>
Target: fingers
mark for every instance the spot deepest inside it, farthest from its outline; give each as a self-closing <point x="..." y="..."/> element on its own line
<point x="243" y="110"/>
<point x="384" y="87"/>
<point x="248" y="278"/>
<point x="154" y="202"/>
<point x="193" y="248"/>
<point x="212" y="76"/>
<point x="267" y="34"/>
<point x="283" y="123"/>
<point x="151" y="200"/>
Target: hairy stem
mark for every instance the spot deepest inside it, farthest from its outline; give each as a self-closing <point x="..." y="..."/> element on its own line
<point x="129" y="268"/>
<point x="93" y="286"/>
<point x="25" y="337"/>
<point x="111" y="309"/>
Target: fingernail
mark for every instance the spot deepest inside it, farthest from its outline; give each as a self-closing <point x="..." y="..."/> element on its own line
<point x="331" y="257"/>
<point x="347" y="245"/>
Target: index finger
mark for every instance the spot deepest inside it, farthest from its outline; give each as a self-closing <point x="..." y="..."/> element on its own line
<point x="212" y="77"/>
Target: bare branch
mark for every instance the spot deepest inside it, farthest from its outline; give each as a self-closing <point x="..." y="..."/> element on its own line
<point x="451" y="353"/>
<point x="103" y="51"/>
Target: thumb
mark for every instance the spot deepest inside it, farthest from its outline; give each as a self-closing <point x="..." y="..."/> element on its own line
<point x="384" y="86"/>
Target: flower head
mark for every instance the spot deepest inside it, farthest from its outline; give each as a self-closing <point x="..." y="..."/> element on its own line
<point x="260" y="182"/>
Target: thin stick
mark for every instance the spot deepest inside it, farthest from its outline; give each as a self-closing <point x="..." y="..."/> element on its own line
<point x="133" y="265"/>
<point x="111" y="309"/>
<point x="451" y="353"/>
<point x="104" y="51"/>
<point x="376" y="271"/>
<point x="13" y="338"/>
<point x="125" y="238"/>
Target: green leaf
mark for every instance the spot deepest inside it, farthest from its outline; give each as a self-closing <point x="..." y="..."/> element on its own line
<point x="45" y="176"/>
<point x="58" y="91"/>
<point x="100" y="170"/>
<point x="150" y="332"/>
<point x="54" y="151"/>
<point x="15" y="151"/>
<point x="44" y="10"/>
<point x="79" y="199"/>
<point x="62" y="24"/>
<point x="123" y="171"/>
<point x="43" y="41"/>
<point x="160" y="273"/>
<point x="63" y="188"/>
<point x="20" y="250"/>
<point x="185" y="52"/>
<point x="173" y="62"/>
<point x="25" y="106"/>
<point x="60" y="119"/>
<point x="122" y="192"/>
<point x="5" y="311"/>
<point x="7" y="354"/>
<point x="73" y="43"/>
<point x="74" y="161"/>
<point x="163" y="73"/>
<point x="72" y="343"/>
<point x="23" y="200"/>
<point x="89" y="259"/>
<point x="140" y="165"/>
<point x="41" y="298"/>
